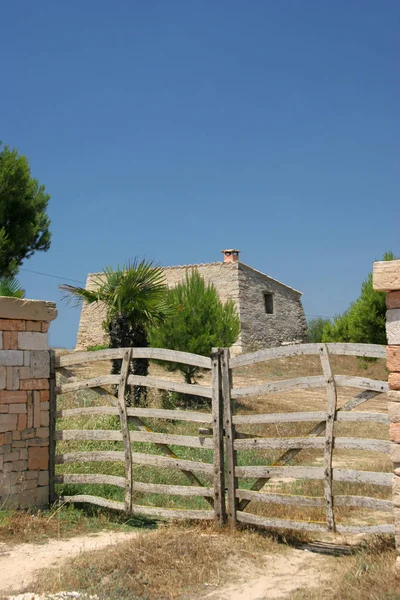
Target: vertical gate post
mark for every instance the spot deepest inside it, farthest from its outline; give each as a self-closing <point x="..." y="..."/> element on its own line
<point x="386" y="278"/>
<point x="125" y="429"/>
<point x="218" y="438"/>
<point x="232" y="482"/>
<point x="52" y="427"/>
<point x="329" y="434"/>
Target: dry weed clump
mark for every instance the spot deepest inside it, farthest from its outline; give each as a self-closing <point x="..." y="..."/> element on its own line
<point x="366" y="575"/>
<point x="19" y="526"/>
<point x="162" y="565"/>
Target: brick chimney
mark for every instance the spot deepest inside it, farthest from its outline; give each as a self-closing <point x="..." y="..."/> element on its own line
<point x="231" y="255"/>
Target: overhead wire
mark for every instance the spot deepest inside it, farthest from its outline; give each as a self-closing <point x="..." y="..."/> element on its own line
<point x="54" y="276"/>
<point x="60" y="277"/>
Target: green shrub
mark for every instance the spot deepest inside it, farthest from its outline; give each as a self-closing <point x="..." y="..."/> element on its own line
<point x="364" y="321"/>
<point x="199" y="322"/>
<point x="315" y="329"/>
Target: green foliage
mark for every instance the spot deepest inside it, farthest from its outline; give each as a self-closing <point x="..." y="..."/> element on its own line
<point x="200" y="322"/>
<point x="97" y="347"/>
<point x="135" y="291"/>
<point x="338" y="329"/>
<point x="315" y="329"/>
<point x="364" y="320"/>
<point x="10" y="286"/>
<point x="24" y="223"/>
<point x="135" y="299"/>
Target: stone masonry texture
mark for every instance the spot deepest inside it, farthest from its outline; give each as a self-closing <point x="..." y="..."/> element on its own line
<point x="287" y="324"/>
<point x="24" y="402"/>
<point x="386" y="277"/>
<point x="236" y="281"/>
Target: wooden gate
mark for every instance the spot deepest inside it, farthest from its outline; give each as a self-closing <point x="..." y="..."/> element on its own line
<point x="130" y="428"/>
<point x="322" y="436"/>
<point x="224" y="468"/>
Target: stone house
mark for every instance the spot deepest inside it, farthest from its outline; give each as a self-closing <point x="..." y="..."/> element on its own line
<point x="271" y="313"/>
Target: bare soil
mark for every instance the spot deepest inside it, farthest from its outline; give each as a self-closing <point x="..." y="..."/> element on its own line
<point x="261" y="576"/>
<point x="19" y="565"/>
<point x="278" y="577"/>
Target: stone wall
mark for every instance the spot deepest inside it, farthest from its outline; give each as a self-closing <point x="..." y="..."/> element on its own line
<point x="386" y="278"/>
<point x="287" y="324"/>
<point x="24" y="402"/>
<point x="91" y="332"/>
<point x="235" y="281"/>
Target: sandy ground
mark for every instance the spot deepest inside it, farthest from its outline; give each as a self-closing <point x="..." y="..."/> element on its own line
<point x="280" y="576"/>
<point x="20" y="564"/>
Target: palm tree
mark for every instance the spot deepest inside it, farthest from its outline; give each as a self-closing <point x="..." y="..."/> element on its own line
<point x="10" y="286"/>
<point x="135" y="299"/>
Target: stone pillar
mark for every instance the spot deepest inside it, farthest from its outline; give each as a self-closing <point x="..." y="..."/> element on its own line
<point x="386" y="278"/>
<point x="24" y="402"/>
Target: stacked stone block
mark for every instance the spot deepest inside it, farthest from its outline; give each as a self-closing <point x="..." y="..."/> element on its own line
<point x="24" y="402"/>
<point x="386" y="278"/>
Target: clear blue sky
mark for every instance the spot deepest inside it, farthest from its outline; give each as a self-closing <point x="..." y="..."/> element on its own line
<point x="172" y="129"/>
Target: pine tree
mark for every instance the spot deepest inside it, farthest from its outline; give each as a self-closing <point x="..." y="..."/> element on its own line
<point x="364" y="320"/>
<point x="315" y="329"/>
<point x="200" y="322"/>
<point x="24" y="223"/>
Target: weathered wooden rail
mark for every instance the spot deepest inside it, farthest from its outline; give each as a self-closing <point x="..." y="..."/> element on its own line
<point x="241" y="498"/>
<point x="162" y="441"/>
<point x="221" y="436"/>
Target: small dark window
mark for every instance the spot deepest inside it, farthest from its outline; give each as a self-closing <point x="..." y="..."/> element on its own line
<point x="269" y="303"/>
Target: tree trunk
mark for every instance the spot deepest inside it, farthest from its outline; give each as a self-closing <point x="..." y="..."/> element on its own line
<point x="124" y="335"/>
<point x="140" y="365"/>
<point x="188" y="400"/>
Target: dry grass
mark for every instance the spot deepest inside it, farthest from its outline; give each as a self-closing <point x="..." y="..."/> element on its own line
<point x="367" y="575"/>
<point x="162" y="565"/>
<point x="298" y="366"/>
<point x="18" y="527"/>
<point x="189" y="562"/>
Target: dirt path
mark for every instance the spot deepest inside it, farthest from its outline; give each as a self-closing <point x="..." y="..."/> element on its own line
<point x="281" y="576"/>
<point x="19" y="564"/>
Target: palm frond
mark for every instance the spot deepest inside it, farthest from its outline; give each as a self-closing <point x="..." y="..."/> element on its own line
<point x="10" y="286"/>
<point x="136" y="290"/>
<point x="78" y="295"/>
